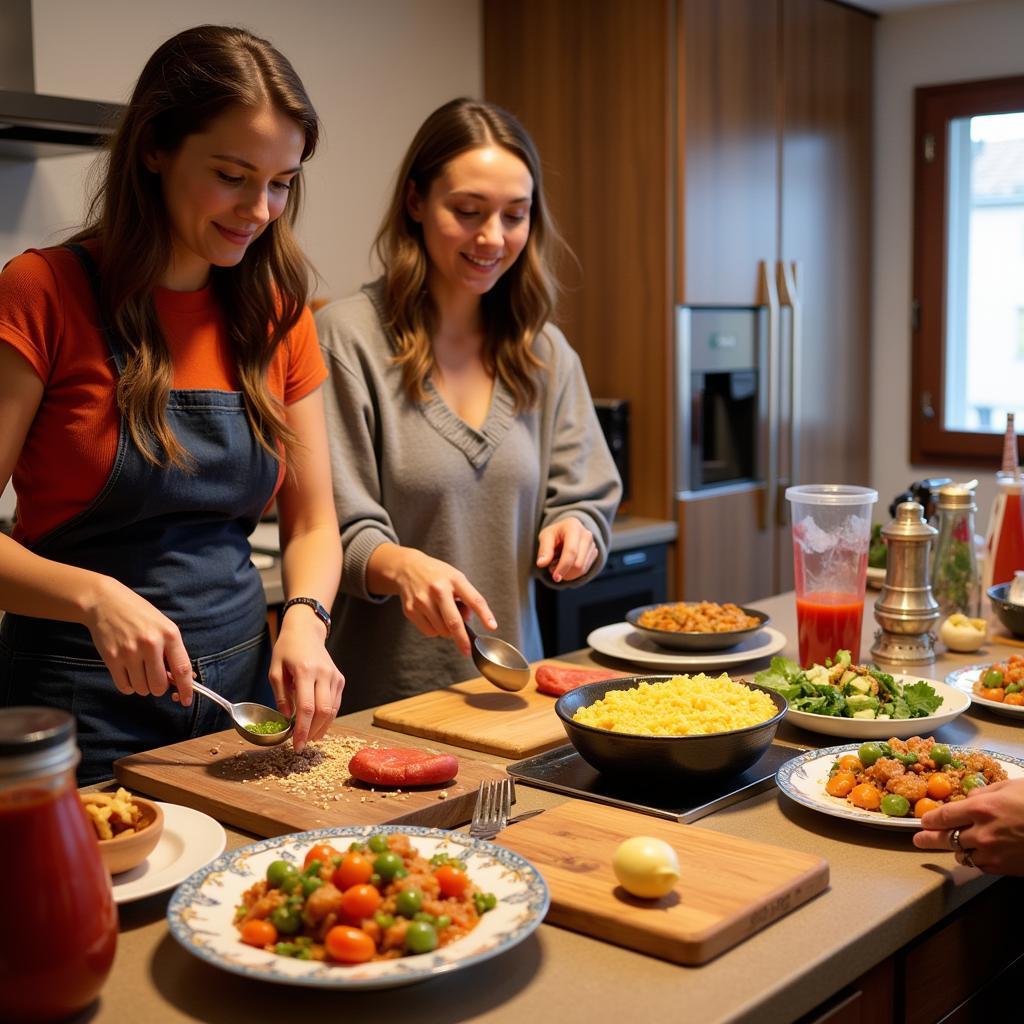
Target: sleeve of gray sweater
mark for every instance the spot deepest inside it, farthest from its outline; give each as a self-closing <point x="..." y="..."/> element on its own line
<point x="582" y="480"/>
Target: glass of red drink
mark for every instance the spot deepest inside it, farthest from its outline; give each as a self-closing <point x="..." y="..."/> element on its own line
<point x="831" y="533"/>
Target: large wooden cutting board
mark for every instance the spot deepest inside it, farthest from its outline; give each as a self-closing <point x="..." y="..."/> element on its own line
<point x="207" y="774"/>
<point x="729" y="887"/>
<point x="476" y="715"/>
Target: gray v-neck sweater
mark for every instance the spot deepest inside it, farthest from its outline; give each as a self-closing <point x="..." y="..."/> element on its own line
<point x="416" y="474"/>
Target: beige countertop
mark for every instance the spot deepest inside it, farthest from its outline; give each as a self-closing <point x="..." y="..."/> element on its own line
<point x="883" y="893"/>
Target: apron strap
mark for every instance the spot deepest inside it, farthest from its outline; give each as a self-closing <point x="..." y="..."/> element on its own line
<point x="93" y="274"/>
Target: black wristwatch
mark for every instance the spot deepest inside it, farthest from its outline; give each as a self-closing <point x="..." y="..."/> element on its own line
<point x="318" y="609"/>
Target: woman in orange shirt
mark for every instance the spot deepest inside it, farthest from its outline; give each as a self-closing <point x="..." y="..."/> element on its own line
<point x="159" y="385"/>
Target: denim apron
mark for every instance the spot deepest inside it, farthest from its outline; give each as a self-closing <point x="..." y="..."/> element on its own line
<point x="180" y="540"/>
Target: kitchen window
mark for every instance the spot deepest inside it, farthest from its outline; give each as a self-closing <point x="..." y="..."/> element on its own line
<point x="968" y="310"/>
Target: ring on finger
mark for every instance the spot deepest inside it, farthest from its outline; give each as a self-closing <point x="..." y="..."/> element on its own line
<point x="954" y="839"/>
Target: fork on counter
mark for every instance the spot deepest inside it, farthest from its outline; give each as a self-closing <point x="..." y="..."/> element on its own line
<point x="494" y="802"/>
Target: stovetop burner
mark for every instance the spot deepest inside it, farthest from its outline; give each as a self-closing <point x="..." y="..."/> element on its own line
<point x="564" y="771"/>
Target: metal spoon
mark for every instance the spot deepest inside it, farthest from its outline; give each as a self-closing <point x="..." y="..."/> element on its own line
<point x="248" y="713"/>
<point x="498" y="661"/>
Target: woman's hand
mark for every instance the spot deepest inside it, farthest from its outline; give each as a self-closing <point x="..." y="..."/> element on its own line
<point x="429" y="590"/>
<point x="991" y="828"/>
<point x="572" y="543"/>
<point x="305" y="681"/>
<point x="139" y="644"/>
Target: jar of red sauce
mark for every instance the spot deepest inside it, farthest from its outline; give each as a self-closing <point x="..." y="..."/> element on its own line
<point x="62" y="921"/>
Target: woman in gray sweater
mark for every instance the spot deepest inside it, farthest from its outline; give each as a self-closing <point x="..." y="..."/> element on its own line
<point x="466" y="454"/>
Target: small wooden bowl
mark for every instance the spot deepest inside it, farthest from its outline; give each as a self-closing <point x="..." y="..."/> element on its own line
<point x="124" y="852"/>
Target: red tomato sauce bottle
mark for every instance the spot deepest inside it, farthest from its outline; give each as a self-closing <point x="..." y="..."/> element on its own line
<point x="63" y="922"/>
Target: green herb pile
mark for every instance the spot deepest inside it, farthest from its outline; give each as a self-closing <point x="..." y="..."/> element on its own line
<point x="266" y="728"/>
<point x="842" y="690"/>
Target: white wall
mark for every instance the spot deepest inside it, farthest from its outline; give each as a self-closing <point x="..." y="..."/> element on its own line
<point x="373" y="68"/>
<point x="956" y="42"/>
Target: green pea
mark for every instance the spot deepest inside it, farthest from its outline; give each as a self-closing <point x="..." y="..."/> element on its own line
<point x="375" y="880"/>
<point x="384" y="920"/>
<point x="286" y="949"/>
<point x="484" y="901"/>
<point x="402" y="872"/>
<point x="278" y="871"/>
<point x="869" y="753"/>
<point x="291" y="881"/>
<point x="287" y="920"/>
<point x="356" y="847"/>
<point x="314" y="868"/>
<point x="310" y="885"/>
<point x="886" y="749"/>
<point x="443" y="921"/>
<point x="973" y="782"/>
<point x="1014" y="688"/>
<point x="906" y="759"/>
<point x="378" y="843"/>
<point x="409" y="901"/>
<point x="941" y="754"/>
<point x="420" y="937"/>
<point x="387" y="865"/>
<point x="992" y="677"/>
<point x="422" y="915"/>
<point x="303" y="954"/>
<point x="895" y="806"/>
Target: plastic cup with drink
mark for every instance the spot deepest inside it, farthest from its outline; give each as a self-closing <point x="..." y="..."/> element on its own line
<point x="831" y="533"/>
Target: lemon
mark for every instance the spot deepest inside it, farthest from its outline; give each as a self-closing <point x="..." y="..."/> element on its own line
<point x="646" y="867"/>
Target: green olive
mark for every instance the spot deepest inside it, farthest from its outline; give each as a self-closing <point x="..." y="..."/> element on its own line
<point x="278" y="871"/>
<point x="869" y="753"/>
<point x="409" y="901"/>
<point x="992" y="677"/>
<point x="973" y="782"/>
<point x="895" y="806"/>
<point x="940" y="754"/>
<point x="420" y="937"/>
<point x="387" y="865"/>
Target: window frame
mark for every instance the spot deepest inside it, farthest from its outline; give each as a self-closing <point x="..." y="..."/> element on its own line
<point x="934" y="107"/>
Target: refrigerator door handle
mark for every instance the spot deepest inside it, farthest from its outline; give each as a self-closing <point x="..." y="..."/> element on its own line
<point x="768" y="297"/>
<point x="789" y="275"/>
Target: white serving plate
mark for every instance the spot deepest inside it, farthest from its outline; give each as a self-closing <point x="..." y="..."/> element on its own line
<point x="201" y="912"/>
<point x="954" y="702"/>
<point x="803" y="780"/>
<point x="965" y="678"/>
<point x="620" y="640"/>
<point x="190" y="840"/>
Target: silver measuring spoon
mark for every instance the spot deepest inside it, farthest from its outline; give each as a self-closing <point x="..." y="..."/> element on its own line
<point x="498" y="661"/>
<point x="248" y="713"/>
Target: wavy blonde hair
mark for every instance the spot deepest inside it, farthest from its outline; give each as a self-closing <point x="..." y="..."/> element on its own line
<point x="522" y="300"/>
<point x="188" y="82"/>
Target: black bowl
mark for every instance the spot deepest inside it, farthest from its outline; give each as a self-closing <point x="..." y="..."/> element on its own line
<point x="657" y="760"/>
<point x="677" y="641"/>
<point x="1010" y="615"/>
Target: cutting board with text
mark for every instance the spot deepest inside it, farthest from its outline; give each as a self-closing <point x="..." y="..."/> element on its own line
<point x="219" y="775"/>
<point x="729" y="887"/>
<point x="477" y="715"/>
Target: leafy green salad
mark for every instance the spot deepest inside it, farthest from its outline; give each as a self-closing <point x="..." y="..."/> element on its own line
<point x="842" y="690"/>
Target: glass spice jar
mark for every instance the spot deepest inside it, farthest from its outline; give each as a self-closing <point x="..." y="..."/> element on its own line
<point x="956" y="583"/>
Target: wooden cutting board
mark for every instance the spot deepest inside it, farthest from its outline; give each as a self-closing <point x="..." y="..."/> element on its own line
<point x="476" y="715"/>
<point x="729" y="887"/>
<point x="219" y="775"/>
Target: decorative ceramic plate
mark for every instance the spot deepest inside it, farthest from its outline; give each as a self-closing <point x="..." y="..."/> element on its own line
<point x="876" y="578"/>
<point x="190" y="839"/>
<point x="620" y="640"/>
<point x="954" y="702"/>
<point x="803" y="779"/>
<point x="965" y="678"/>
<point x="201" y="912"/>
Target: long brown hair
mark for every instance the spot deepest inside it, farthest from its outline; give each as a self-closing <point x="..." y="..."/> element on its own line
<point x="523" y="298"/>
<point x="188" y="82"/>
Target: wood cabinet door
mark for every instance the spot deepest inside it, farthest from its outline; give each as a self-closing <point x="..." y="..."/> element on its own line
<point x="826" y="54"/>
<point x="727" y="88"/>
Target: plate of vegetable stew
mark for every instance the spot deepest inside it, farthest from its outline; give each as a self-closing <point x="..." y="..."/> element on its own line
<point x="994" y="685"/>
<point x="805" y="779"/>
<point x="207" y="912"/>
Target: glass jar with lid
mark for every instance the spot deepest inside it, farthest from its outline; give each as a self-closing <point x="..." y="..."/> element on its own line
<point x="956" y="583"/>
<point x="58" y="899"/>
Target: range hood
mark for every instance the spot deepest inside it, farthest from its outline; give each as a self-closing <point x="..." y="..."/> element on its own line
<point x="32" y="124"/>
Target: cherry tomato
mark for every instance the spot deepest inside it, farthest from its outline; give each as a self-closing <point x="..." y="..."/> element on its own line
<point x="924" y="805"/>
<point x="1016" y="699"/>
<point x="996" y="693"/>
<point x="939" y="786"/>
<point x="866" y="796"/>
<point x="322" y="852"/>
<point x="349" y="945"/>
<point x="850" y="763"/>
<point x="452" y="881"/>
<point x="841" y="783"/>
<point x="354" y="869"/>
<point x="259" y="933"/>
<point x="360" y="901"/>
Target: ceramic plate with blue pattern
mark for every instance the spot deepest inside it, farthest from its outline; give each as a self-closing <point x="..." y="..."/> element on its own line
<point x="202" y="910"/>
<point x="803" y="779"/>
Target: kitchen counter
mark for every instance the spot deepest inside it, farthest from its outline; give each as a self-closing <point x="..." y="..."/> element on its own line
<point x="627" y="532"/>
<point x="883" y="894"/>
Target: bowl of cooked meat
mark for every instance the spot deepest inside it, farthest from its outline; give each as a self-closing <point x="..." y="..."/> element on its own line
<point x="696" y="625"/>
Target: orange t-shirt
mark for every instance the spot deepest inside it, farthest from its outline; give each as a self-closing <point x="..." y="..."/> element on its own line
<point x="48" y="314"/>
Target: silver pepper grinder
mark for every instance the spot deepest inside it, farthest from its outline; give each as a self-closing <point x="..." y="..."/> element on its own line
<point x="906" y="609"/>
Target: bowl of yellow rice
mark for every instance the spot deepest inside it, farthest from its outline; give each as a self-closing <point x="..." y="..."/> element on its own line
<point x="663" y="729"/>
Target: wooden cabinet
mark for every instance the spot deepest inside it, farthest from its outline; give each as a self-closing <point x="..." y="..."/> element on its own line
<point x="692" y="150"/>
